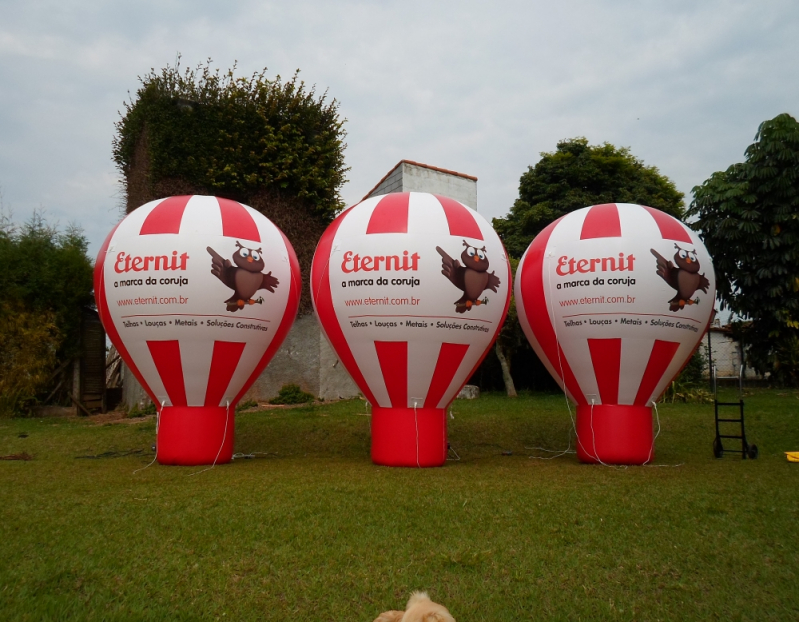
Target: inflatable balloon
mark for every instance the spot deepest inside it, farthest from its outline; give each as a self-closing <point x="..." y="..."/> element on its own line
<point x="411" y="290"/>
<point x="196" y="293"/>
<point x="615" y="299"/>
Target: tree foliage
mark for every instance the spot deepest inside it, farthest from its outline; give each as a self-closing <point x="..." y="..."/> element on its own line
<point x="234" y="136"/>
<point x="45" y="282"/>
<point x="749" y="219"/>
<point x="28" y="344"/>
<point x="577" y="175"/>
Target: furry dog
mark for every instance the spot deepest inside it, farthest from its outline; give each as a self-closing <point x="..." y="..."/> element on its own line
<point x="419" y="609"/>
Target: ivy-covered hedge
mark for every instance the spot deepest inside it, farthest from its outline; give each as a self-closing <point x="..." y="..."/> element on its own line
<point x="232" y="137"/>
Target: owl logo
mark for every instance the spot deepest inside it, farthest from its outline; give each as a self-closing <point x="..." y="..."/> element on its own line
<point x="245" y="278"/>
<point x="472" y="278"/>
<point x="685" y="277"/>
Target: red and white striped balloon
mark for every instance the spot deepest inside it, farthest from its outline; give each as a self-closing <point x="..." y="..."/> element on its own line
<point x="194" y="350"/>
<point x="594" y="298"/>
<point x="405" y="332"/>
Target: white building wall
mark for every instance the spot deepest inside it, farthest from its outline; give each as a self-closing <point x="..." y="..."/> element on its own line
<point x="419" y="179"/>
<point x="726" y="355"/>
<point x="409" y="177"/>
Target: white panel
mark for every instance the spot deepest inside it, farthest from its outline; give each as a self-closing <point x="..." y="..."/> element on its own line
<point x="426" y="216"/>
<point x="422" y="357"/>
<point x="366" y="358"/>
<point x="637" y="222"/>
<point x="195" y="358"/>
<point x="634" y="358"/>
<point x="202" y="217"/>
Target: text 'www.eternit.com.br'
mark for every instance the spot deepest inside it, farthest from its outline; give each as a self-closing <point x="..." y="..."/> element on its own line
<point x="153" y="300"/>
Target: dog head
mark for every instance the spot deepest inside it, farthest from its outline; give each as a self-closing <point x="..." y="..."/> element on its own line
<point x="421" y="609"/>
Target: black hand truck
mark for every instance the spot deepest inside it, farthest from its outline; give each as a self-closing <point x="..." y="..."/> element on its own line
<point x="747" y="450"/>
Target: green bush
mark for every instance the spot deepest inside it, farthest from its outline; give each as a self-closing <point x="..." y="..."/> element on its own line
<point x="45" y="282"/>
<point x="234" y="136"/>
<point x="693" y="373"/>
<point x="148" y="409"/>
<point x="245" y="405"/>
<point x="691" y="384"/>
<point x="28" y="344"/>
<point x="292" y="394"/>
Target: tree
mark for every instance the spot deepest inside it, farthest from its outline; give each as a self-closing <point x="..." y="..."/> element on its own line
<point x="45" y="282"/>
<point x="577" y="175"/>
<point x="749" y="219"/>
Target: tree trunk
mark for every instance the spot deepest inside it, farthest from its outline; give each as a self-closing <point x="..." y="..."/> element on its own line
<point x="506" y="377"/>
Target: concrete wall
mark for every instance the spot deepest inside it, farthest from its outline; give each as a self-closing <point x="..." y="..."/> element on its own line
<point x="727" y="355"/>
<point x="392" y="183"/>
<point x="419" y="179"/>
<point x="305" y="359"/>
<point x="408" y="177"/>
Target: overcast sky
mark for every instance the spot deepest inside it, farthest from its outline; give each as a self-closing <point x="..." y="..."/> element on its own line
<point x="478" y="87"/>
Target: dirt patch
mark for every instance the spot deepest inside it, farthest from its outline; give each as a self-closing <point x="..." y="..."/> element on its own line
<point x="54" y="411"/>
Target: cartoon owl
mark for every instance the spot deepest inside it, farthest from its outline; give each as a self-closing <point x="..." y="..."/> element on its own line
<point x="685" y="277"/>
<point x="472" y="278"/>
<point x="245" y="278"/>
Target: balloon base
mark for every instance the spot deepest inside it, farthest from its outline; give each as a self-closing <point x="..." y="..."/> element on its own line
<point x="614" y="434"/>
<point x="195" y="435"/>
<point x="407" y="437"/>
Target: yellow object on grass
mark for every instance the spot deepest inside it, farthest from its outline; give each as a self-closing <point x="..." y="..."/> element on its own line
<point x="793" y="456"/>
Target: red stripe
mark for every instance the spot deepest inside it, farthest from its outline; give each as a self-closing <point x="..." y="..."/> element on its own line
<point x="165" y="217"/>
<point x="237" y="221"/>
<point x="659" y="359"/>
<point x="323" y="303"/>
<point x="601" y="221"/>
<point x="224" y="360"/>
<point x="292" y="304"/>
<point x="99" y="284"/>
<point x="390" y="214"/>
<point x="105" y="315"/>
<point x="166" y="356"/>
<point x="606" y="358"/>
<point x="393" y="358"/>
<point x="670" y="227"/>
<point x="535" y="306"/>
<point x="449" y="360"/>
<point x="460" y="219"/>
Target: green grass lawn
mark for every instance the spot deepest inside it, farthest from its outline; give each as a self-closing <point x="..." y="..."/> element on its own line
<point x="313" y="531"/>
